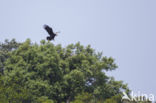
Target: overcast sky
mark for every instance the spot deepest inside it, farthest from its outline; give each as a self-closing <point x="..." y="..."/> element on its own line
<point x="122" y="29"/>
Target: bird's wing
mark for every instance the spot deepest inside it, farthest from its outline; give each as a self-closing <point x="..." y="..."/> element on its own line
<point x="48" y="29"/>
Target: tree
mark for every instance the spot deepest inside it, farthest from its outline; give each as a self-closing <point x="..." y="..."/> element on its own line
<point x="114" y="99"/>
<point x="84" y="98"/>
<point x="58" y="73"/>
<point x="5" y="48"/>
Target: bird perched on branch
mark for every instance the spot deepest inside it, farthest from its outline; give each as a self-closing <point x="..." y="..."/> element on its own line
<point x="50" y="32"/>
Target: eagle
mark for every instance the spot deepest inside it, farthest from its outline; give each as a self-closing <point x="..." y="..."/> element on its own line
<point x="50" y="32"/>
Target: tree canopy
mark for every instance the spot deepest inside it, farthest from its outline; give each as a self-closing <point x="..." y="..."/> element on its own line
<point x="48" y="73"/>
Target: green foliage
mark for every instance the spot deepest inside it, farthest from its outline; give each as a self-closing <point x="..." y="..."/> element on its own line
<point x="44" y="100"/>
<point x="5" y="48"/>
<point x="84" y="98"/>
<point x="114" y="99"/>
<point x="41" y="73"/>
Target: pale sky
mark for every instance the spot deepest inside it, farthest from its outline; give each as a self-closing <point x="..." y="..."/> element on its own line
<point x="122" y="29"/>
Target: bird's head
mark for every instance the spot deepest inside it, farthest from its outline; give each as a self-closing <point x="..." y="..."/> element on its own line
<point x="57" y="33"/>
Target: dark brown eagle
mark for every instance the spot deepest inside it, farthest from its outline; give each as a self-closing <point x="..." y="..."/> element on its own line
<point x="50" y="32"/>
